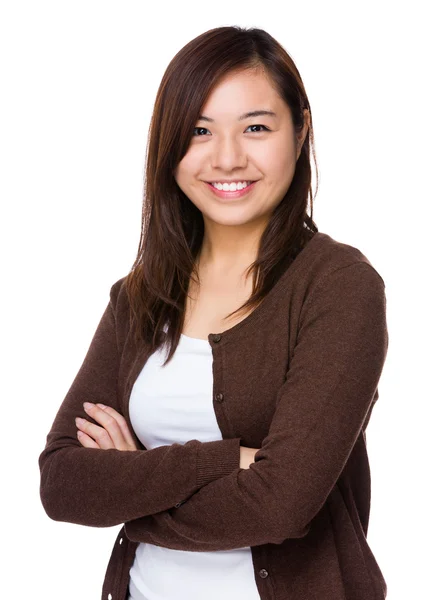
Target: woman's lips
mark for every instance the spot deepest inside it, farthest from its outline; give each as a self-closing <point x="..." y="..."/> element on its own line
<point x="231" y="195"/>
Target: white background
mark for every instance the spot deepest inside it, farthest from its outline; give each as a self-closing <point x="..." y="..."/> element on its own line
<point x="78" y="82"/>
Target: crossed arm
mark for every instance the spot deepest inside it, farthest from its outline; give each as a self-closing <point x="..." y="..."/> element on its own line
<point x="322" y="407"/>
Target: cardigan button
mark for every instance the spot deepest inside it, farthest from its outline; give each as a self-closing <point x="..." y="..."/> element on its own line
<point x="219" y="397"/>
<point x="263" y="573"/>
<point x="216" y="337"/>
<point x="109" y="596"/>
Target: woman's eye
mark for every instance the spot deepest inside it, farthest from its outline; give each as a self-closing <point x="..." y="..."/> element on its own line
<point x="265" y="128"/>
<point x="198" y="129"/>
<point x="204" y="128"/>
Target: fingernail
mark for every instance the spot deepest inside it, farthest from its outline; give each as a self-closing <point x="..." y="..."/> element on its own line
<point x="88" y="404"/>
<point x="101" y="405"/>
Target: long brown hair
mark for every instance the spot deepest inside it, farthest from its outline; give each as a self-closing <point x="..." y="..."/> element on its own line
<point x="172" y="226"/>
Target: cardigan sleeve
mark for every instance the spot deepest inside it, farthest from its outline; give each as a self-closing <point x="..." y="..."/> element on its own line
<point x="102" y="488"/>
<point x="324" y="403"/>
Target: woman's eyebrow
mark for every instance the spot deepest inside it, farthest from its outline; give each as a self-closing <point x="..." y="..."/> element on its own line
<point x="247" y="115"/>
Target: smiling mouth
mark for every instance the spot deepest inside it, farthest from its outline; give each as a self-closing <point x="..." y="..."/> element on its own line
<point x="228" y="182"/>
<point x="231" y="194"/>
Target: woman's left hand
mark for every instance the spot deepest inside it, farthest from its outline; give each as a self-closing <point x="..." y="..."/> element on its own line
<point x="113" y="433"/>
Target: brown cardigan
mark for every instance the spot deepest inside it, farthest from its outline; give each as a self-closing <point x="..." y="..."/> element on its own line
<point x="297" y="378"/>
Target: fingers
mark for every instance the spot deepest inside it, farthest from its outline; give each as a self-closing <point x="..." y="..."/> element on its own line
<point x="107" y="436"/>
<point x="112" y="432"/>
<point x="98" y="434"/>
<point x="86" y="441"/>
<point x="122" y="423"/>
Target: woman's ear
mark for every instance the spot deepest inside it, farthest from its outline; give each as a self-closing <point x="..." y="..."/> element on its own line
<point x="304" y="132"/>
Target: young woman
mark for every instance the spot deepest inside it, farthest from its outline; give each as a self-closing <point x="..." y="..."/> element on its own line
<point x="220" y="412"/>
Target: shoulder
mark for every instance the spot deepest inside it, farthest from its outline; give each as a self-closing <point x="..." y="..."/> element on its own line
<point x="118" y="294"/>
<point x="327" y="257"/>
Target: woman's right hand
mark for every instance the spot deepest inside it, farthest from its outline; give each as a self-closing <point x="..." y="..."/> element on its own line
<point x="112" y="433"/>
<point x="247" y="456"/>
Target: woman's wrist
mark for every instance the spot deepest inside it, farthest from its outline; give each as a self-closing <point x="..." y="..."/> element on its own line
<point x="247" y="456"/>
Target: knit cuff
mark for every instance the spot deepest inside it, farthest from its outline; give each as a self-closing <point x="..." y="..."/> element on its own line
<point x="217" y="459"/>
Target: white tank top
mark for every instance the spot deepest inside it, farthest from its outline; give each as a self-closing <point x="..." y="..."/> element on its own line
<point x="173" y="404"/>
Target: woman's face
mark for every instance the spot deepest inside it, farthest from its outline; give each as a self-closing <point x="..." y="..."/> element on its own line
<point x="259" y="148"/>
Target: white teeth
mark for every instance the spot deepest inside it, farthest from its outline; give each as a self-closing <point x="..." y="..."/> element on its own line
<point x="231" y="187"/>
